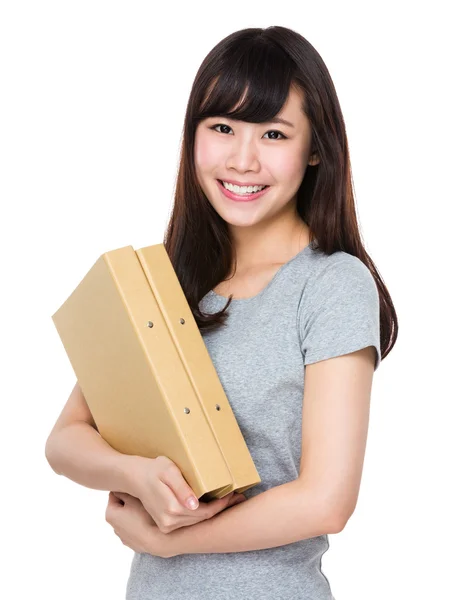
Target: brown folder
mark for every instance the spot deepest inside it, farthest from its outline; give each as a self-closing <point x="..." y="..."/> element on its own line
<point x="146" y="374"/>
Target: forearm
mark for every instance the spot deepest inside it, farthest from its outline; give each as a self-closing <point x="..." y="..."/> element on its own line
<point x="78" y="452"/>
<point x="281" y="515"/>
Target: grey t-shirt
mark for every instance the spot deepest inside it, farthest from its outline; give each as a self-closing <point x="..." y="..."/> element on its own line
<point x="316" y="307"/>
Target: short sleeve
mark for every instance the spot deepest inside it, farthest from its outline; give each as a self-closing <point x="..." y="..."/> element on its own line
<point x="339" y="312"/>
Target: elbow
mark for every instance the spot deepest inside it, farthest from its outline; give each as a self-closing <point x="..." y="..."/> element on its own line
<point x="336" y="518"/>
<point x="336" y="524"/>
<point x="49" y="455"/>
<point x="331" y="519"/>
<point x="339" y="519"/>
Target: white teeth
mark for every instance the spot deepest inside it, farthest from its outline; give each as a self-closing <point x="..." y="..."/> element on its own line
<point x="243" y="189"/>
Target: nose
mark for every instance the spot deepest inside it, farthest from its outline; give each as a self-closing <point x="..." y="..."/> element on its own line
<point x="243" y="157"/>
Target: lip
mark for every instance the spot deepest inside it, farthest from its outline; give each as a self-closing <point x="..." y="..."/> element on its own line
<point x="240" y="183"/>
<point x="237" y="198"/>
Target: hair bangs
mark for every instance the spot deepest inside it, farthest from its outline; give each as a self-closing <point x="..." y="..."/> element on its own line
<point x="252" y="86"/>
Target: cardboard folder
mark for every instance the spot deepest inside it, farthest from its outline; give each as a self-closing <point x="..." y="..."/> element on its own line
<point x="146" y="374"/>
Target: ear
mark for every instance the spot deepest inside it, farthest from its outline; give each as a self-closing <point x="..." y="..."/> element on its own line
<point x="314" y="159"/>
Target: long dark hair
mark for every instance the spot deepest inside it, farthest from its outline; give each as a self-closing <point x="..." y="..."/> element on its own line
<point x="266" y="63"/>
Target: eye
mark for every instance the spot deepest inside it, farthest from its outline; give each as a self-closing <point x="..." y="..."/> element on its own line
<point x="271" y="131"/>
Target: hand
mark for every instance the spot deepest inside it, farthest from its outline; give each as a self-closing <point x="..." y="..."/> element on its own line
<point x="134" y="526"/>
<point x="163" y="491"/>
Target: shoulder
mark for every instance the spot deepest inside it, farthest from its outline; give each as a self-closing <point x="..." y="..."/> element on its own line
<point x="339" y="310"/>
<point x="323" y="266"/>
<point x="337" y="280"/>
<point x="347" y="274"/>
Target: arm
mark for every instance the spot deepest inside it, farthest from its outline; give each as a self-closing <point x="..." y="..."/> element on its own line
<point x="76" y="450"/>
<point x="282" y="515"/>
<point x="322" y="499"/>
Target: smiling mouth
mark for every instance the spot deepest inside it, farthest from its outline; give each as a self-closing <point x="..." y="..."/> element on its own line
<point x="221" y="182"/>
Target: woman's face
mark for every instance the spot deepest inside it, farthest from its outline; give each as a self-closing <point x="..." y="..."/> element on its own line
<point x="254" y="153"/>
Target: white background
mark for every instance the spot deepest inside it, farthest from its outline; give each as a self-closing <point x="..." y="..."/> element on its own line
<point x="92" y="102"/>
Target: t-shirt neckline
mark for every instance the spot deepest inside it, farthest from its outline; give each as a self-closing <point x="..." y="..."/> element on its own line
<point x="270" y="283"/>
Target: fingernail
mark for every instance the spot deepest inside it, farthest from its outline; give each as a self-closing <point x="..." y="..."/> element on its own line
<point x="192" y="502"/>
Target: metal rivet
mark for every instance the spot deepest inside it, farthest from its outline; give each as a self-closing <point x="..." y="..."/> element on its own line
<point x="186" y="410"/>
<point x="150" y="323"/>
<point x="217" y="407"/>
<point x="182" y="321"/>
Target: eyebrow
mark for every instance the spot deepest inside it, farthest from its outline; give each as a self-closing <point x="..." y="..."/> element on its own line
<point x="274" y="120"/>
<point x="280" y="120"/>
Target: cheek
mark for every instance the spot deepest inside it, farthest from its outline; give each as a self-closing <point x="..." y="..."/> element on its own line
<point x="289" y="167"/>
<point x="206" y="156"/>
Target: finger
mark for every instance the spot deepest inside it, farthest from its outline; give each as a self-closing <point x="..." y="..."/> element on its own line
<point x="122" y="496"/>
<point x="114" y="499"/>
<point x="227" y="497"/>
<point x="173" y="478"/>
<point x="126" y="498"/>
<point x="237" y="500"/>
<point x="211" y="504"/>
<point x="220" y="503"/>
<point x="240" y="497"/>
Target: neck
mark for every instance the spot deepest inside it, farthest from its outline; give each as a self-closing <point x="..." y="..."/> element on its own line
<point x="270" y="243"/>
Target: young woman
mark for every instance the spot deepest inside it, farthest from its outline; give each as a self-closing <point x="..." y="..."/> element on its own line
<point x="264" y="239"/>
